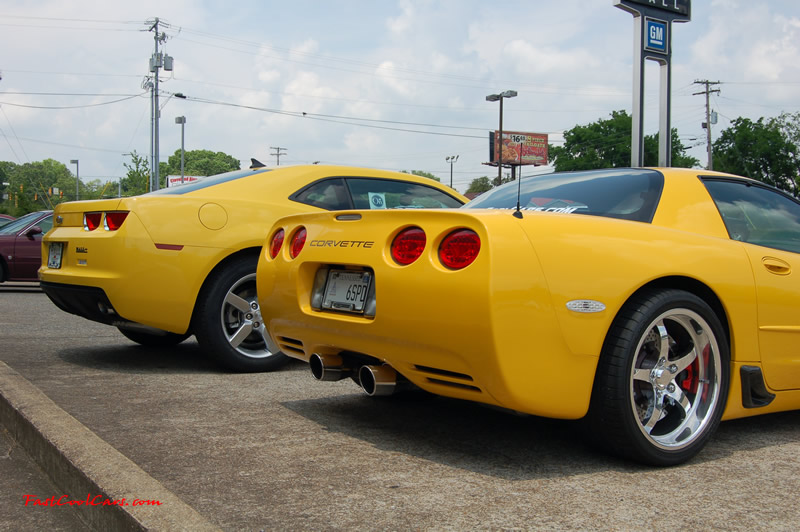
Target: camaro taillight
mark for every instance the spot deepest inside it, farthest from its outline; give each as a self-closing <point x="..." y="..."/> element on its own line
<point x="277" y="242"/>
<point x="114" y="220"/>
<point x="298" y="241"/>
<point x="91" y="220"/>
<point x="459" y="249"/>
<point x="408" y="245"/>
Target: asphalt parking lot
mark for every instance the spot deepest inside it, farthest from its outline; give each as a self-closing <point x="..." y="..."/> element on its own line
<point x="280" y="451"/>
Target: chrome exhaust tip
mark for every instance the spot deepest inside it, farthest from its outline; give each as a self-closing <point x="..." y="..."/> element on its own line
<point x="377" y="380"/>
<point x="328" y="367"/>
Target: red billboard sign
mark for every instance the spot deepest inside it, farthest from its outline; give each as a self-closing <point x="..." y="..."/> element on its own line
<point x="520" y="148"/>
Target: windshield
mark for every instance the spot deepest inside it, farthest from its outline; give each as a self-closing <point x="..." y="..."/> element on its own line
<point x="630" y="194"/>
<point x="19" y="224"/>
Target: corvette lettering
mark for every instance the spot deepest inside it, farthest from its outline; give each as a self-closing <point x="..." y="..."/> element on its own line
<point x="342" y="243"/>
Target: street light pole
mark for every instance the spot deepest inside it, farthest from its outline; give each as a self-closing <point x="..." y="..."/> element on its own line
<point x="77" y="177"/>
<point x="451" y="159"/>
<point x="182" y="121"/>
<point x="493" y="98"/>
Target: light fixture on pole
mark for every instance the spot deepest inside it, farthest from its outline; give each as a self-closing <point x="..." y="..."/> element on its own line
<point x="77" y="177"/>
<point x="499" y="141"/>
<point x="182" y="121"/>
<point x="451" y="159"/>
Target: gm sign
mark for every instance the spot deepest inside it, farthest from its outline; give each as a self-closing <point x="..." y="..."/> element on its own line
<point x="656" y="35"/>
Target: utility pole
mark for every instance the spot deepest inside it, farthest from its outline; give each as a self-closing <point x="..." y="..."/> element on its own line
<point x="277" y="153"/>
<point x="157" y="61"/>
<point x="707" y="123"/>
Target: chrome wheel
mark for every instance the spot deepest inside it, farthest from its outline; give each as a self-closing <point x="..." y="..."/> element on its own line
<point x="228" y="323"/>
<point x="675" y="379"/>
<point x="662" y="378"/>
<point x="241" y="319"/>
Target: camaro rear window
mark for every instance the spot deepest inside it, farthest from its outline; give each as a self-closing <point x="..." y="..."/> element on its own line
<point x="630" y="194"/>
<point x="206" y="182"/>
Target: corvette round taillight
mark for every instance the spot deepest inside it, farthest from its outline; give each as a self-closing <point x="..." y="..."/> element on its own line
<point x="408" y="245"/>
<point x="91" y="220"/>
<point x="298" y="241"/>
<point x="114" y="220"/>
<point x="277" y="242"/>
<point x="459" y="249"/>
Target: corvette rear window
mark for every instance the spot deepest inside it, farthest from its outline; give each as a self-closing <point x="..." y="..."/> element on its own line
<point x="628" y="194"/>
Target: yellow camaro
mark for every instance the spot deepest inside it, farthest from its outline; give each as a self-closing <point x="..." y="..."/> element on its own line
<point x="182" y="260"/>
<point x="652" y="303"/>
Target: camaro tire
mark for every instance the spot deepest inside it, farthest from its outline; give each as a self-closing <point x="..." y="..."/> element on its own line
<point x="662" y="380"/>
<point x="228" y="323"/>
<point x="167" y="339"/>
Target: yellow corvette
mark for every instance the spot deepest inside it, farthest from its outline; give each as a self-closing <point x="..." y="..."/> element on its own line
<point x="652" y="303"/>
<point x="182" y="260"/>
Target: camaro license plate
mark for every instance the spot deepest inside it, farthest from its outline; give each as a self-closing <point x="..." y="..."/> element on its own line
<point x="346" y="290"/>
<point x="54" y="255"/>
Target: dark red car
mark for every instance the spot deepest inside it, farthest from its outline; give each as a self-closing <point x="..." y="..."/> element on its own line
<point x="21" y="246"/>
<point x="5" y="219"/>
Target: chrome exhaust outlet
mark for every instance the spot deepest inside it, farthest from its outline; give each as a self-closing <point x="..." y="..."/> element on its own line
<point x="377" y="380"/>
<point x="328" y="367"/>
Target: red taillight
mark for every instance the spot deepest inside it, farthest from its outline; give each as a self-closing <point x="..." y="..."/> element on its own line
<point x="408" y="245"/>
<point x="277" y="242"/>
<point x="91" y="220"/>
<point x="459" y="249"/>
<point x="114" y="220"/>
<point x="298" y="241"/>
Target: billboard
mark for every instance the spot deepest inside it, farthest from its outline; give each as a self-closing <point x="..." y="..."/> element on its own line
<point x="175" y="180"/>
<point x="520" y="148"/>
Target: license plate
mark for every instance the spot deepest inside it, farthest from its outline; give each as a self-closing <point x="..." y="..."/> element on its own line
<point x="54" y="255"/>
<point x="346" y="290"/>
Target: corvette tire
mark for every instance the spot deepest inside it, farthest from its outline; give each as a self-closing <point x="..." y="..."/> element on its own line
<point x="662" y="380"/>
<point x="228" y="323"/>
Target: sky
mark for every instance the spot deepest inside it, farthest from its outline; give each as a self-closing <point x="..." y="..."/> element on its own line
<point x="391" y="84"/>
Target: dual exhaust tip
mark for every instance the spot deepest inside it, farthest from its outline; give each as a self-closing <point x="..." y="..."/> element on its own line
<point x="374" y="380"/>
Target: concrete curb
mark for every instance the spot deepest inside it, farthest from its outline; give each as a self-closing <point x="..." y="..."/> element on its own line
<point x="80" y="463"/>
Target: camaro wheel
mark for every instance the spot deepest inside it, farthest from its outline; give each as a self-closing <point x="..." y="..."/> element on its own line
<point x="228" y="321"/>
<point x="167" y="339"/>
<point x="662" y="380"/>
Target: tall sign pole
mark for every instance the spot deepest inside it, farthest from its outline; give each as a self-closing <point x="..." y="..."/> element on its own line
<point x="652" y="39"/>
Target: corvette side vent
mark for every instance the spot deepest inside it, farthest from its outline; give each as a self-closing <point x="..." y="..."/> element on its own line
<point x="451" y="379"/>
<point x="290" y="345"/>
<point x="444" y="373"/>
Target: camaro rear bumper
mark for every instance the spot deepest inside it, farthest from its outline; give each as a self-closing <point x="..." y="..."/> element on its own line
<point x="88" y="302"/>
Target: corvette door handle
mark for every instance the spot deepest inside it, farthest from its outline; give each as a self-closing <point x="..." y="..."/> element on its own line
<point x="776" y="266"/>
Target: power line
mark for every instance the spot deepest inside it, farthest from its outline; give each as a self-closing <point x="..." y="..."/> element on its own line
<point x="72" y="106"/>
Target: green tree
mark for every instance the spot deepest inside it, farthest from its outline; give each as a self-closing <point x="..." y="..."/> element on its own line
<point x="480" y="185"/>
<point x="34" y="186"/>
<point x="422" y="174"/>
<point x="200" y="162"/>
<point x="137" y="180"/>
<point x="607" y="144"/>
<point x="761" y="150"/>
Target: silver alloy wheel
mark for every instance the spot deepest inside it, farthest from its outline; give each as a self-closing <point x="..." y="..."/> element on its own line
<point x="241" y="319"/>
<point x="675" y="379"/>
